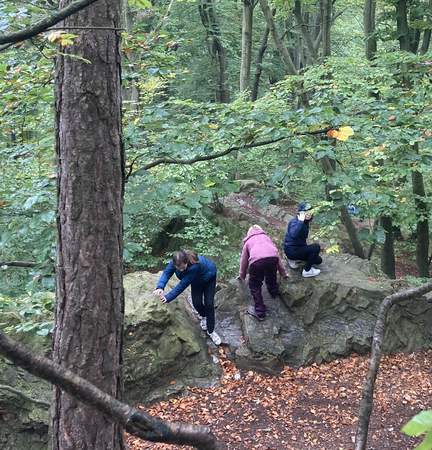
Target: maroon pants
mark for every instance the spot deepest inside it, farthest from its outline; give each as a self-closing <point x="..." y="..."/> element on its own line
<point x="263" y="269"/>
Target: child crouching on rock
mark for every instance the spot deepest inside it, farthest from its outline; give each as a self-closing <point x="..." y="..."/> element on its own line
<point x="200" y="273"/>
<point x="261" y="256"/>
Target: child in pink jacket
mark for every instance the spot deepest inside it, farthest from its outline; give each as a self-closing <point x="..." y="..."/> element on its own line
<point x="261" y="256"/>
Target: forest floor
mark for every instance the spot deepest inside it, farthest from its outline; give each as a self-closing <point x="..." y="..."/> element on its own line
<point x="308" y="408"/>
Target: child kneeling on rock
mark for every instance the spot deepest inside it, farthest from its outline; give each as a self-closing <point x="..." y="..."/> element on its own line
<point x="261" y="256"/>
<point x="200" y="273"/>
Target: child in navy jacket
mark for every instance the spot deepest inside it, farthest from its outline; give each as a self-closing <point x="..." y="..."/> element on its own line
<point x="200" y="273"/>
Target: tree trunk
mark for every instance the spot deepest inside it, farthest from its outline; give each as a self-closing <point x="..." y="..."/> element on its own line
<point x="259" y="60"/>
<point x="366" y="404"/>
<point x="402" y="25"/>
<point x="306" y="34"/>
<point x="387" y="254"/>
<point x="283" y="51"/>
<point x="216" y="49"/>
<point x="369" y="29"/>
<point x="326" y="13"/>
<point x="422" y="247"/>
<point x="89" y="311"/>
<point x="426" y="41"/>
<point x="246" y="47"/>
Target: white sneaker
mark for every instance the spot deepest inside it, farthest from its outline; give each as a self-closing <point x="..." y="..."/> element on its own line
<point x="293" y="264"/>
<point x="203" y="323"/>
<point x="215" y="338"/>
<point x="311" y="273"/>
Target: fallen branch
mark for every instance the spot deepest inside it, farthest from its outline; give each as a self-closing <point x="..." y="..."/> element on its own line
<point x="45" y="23"/>
<point x="6" y="387"/>
<point x="135" y="422"/>
<point x="366" y="404"/>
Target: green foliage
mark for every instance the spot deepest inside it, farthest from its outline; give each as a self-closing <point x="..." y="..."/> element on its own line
<point x="420" y="424"/>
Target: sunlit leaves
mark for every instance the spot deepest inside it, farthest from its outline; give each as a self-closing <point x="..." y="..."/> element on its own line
<point x="61" y="38"/>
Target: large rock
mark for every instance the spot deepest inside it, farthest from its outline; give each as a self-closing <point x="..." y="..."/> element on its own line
<point x="164" y="352"/>
<point x="320" y="319"/>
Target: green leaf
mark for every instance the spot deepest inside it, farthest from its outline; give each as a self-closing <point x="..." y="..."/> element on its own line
<point x="426" y="444"/>
<point x="144" y="4"/>
<point x="419" y="424"/>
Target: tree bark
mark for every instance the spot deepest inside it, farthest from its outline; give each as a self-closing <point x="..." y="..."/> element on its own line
<point x="89" y="311"/>
<point x="366" y="404"/>
<point x="135" y="422"/>
<point x="369" y="29"/>
<point x="402" y="25"/>
<point x="307" y="36"/>
<point x="422" y="228"/>
<point x="283" y="51"/>
<point x="216" y="49"/>
<point x="387" y="254"/>
<point x="426" y="41"/>
<point x="259" y="60"/>
<point x="326" y="20"/>
<point x="246" y="44"/>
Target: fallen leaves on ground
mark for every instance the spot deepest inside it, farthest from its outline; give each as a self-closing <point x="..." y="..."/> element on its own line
<point x="308" y="408"/>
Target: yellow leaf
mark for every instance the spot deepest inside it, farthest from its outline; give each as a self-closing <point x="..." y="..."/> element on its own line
<point x="62" y="38"/>
<point x="344" y="133"/>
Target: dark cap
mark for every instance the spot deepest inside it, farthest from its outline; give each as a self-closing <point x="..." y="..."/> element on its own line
<point x="304" y="206"/>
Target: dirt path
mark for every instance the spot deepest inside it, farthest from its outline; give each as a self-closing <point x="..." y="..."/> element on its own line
<point x="309" y="408"/>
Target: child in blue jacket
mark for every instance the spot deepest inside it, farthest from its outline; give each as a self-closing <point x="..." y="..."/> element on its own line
<point x="200" y="273"/>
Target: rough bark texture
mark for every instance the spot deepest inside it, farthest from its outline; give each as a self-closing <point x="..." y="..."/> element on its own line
<point x="246" y="48"/>
<point x="326" y="20"/>
<point x="387" y="254"/>
<point x="89" y="312"/>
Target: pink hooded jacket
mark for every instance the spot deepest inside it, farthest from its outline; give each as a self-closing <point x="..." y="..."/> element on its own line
<point x="258" y="245"/>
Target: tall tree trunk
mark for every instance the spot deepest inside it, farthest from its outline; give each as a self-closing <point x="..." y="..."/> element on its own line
<point x="387" y="254"/>
<point x="402" y="25"/>
<point x="217" y="51"/>
<point x="426" y="41"/>
<point x="246" y="46"/>
<point x="306" y="34"/>
<point x="422" y="245"/>
<point x="259" y="59"/>
<point x="328" y="166"/>
<point x="369" y="29"/>
<point x="326" y="20"/>
<point x="283" y="51"/>
<point x="89" y="310"/>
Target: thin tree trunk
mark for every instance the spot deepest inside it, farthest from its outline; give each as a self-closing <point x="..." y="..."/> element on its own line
<point x="366" y="404"/>
<point x="283" y="51"/>
<point x="326" y="13"/>
<point x="89" y="311"/>
<point x="216" y="49"/>
<point x="426" y="41"/>
<point x="246" y="48"/>
<point x="369" y="29"/>
<point x="422" y="245"/>
<point x="259" y="60"/>
<point x="328" y="166"/>
<point x="387" y="254"/>
<point x="306" y="35"/>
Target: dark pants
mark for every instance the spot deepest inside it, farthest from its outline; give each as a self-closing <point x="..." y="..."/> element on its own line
<point x="263" y="269"/>
<point x="308" y="253"/>
<point x="203" y="301"/>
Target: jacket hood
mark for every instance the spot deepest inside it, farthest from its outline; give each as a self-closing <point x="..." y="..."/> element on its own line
<point x="253" y="232"/>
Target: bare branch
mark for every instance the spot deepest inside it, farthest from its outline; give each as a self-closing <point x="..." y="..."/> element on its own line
<point x="366" y="404"/>
<point x="18" y="264"/>
<point x="6" y="387"/>
<point x="135" y="422"/>
<point x="168" y="160"/>
<point x="45" y="23"/>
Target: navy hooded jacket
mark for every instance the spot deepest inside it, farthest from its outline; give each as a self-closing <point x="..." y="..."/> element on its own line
<point x="195" y="274"/>
<point x="296" y="234"/>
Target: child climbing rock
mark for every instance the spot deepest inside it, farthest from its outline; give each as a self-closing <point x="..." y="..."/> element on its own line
<point x="295" y="246"/>
<point x="200" y="273"/>
<point x="261" y="256"/>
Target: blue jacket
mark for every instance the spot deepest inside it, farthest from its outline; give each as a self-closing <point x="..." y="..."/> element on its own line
<point x="196" y="274"/>
<point x="296" y="234"/>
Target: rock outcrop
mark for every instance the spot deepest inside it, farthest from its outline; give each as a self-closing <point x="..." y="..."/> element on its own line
<point x="320" y="319"/>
